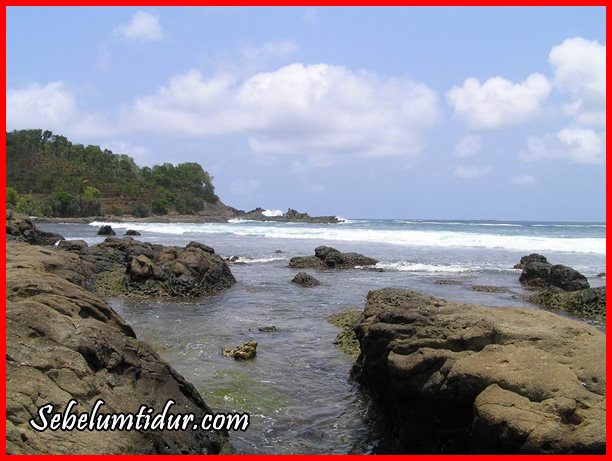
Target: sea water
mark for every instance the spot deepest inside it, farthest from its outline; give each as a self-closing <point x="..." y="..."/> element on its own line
<point x="297" y="389"/>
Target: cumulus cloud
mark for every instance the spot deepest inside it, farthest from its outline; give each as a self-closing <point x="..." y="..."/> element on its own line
<point x="580" y="70"/>
<point x="578" y="145"/>
<point x="498" y="102"/>
<point x="523" y="180"/>
<point x="317" y="110"/>
<point x="472" y="172"/>
<point x="142" y="27"/>
<point x="467" y="146"/>
<point x="52" y="106"/>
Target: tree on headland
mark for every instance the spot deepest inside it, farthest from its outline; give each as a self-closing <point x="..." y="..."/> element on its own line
<point x="60" y="178"/>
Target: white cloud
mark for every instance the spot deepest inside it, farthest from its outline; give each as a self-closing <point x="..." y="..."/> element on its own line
<point x="578" y="145"/>
<point x="580" y="70"/>
<point x="498" y="102"/>
<point x="315" y="110"/>
<point x="142" y="27"/>
<point x="467" y="146"/>
<point x="523" y="180"/>
<point x="124" y="147"/>
<point x="471" y="172"/>
<point x="52" y="107"/>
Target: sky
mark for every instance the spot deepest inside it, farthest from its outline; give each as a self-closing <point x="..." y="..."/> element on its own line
<point x="391" y="112"/>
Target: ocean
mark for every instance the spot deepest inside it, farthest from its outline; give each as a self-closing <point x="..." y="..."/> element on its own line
<point x="297" y="389"/>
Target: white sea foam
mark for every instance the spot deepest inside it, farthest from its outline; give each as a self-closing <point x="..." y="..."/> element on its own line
<point x="416" y="238"/>
<point x="241" y="221"/>
<point x="271" y="213"/>
<point x="403" y="266"/>
<point x="259" y="260"/>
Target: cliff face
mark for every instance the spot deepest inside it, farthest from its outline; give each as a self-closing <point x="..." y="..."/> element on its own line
<point x="456" y="377"/>
<point x="65" y="343"/>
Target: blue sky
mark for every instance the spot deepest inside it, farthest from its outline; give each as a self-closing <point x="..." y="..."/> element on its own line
<point x="411" y="112"/>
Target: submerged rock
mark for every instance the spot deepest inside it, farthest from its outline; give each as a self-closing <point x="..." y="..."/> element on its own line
<point x="461" y="378"/>
<point x="245" y="351"/>
<point x="330" y="258"/>
<point x="306" y="280"/>
<point x="63" y="343"/>
<point x="268" y="329"/>
<point x="106" y="230"/>
<point x="131" y="232"/>
<point x="448" y="282"/>
<point x="490" y="289"/>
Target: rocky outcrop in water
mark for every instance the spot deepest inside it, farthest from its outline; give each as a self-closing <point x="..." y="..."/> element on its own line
<point x="330" y="258"/>
<point x="533" y="257"/>
<point x="246" y="351"/>
<point x="538" y="272"/>
<point x="132" y="233"/>
<point x="562" y="288"/>
<point x="460" y="378"/>
<point x="19" y="228"/>
<point x="290" y="216"/>
<point x="184" y="272"/>
<point x="130" y="267"/>
<point x="306" y="280"/>
<point x="65" y="343"/>
<point x="106" y="230"/>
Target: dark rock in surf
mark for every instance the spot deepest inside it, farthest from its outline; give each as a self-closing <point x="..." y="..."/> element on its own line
<point x="106" y="230"/>
<point x="132" y="233"/>
<point x="306" y="280"/>
<point x="330" y="258"/>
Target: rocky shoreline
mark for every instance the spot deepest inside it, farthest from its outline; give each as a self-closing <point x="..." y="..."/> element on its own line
<point x="461" y="378"/>
<point x="64" y="342"/>
<point x="448" y="377"/>
<point x="215" y="213"/>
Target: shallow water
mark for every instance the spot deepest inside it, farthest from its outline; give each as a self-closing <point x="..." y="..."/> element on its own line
<point x="297" y="389"/>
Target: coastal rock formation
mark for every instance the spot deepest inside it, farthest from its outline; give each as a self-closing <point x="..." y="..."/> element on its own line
<point x="306" y="280"/>
<point x="184" y="272"/>
<point x="65" y="343"/>
<point x="132" y="233"/>
<point x="567" y="278"/>
<point x="538" y="272"/>
<point x="19" y="228"/>
<point x="246" y="351"/>
<point x="454" y="377"/>
<point x="106" y="230"/>
<point x="330" y="258"/>
<point x="533" y="257"/>
<point x="290" y="216"/>
<point x="589" y="303"/>
<point x="128" y="266"/>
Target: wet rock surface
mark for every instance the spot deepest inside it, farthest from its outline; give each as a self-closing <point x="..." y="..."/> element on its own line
<point x="459" y="378"/>
<point x="20" y="228"/>
<point x="65" y="343"/>
<point x="246" y="351"/>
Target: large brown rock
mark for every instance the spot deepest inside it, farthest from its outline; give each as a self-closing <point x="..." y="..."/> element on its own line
<point x="455" y="377"/>
<point x="65" y="343"/>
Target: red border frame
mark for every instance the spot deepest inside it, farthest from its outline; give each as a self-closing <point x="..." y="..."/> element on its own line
<point x="440" y="3"/>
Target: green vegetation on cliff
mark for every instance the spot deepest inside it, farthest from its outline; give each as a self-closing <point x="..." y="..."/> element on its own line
<point x="47" y="174"/>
